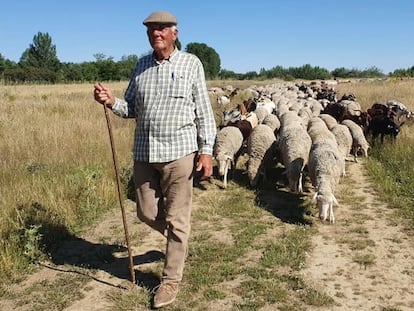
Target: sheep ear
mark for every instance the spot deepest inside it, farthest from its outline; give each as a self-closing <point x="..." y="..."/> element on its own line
<point x="315" y="196"/>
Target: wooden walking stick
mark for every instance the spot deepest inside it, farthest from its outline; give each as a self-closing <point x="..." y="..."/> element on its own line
<point x="118" y="182"/>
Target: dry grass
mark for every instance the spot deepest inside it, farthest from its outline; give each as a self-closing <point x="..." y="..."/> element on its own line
<point x="56" y="162"/>
<point x="371" y="91"/>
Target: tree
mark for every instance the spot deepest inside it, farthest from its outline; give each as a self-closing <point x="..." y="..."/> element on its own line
<point x="208" y="56"/>
<point x="6" y="64"/>
<point x="126" y="66"/>
<point x="2" y="63"/>
<point x="107" y="68"/>
<point x="41" y="53"/>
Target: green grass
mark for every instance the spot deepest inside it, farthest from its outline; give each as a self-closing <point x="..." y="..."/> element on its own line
<point x="390" y="167"/>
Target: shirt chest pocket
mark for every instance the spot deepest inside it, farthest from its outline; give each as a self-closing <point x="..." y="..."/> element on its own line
<point x="180" y="86"/>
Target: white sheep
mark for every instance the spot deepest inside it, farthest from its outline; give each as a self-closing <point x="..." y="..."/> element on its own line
<point x="359" y="141"/>
<point x="317" y="108"/>
<point x="260" y="149"/>
<point x="281" y="108"/>
<point x="272" y="121"/>
<point x="229" y="141"/>
<point x="223" y="100"/>
<point x="261" y="113"/>
<point x="351" y="107"/>
<point x="329" y="120"/>
<point x="306" y="114"/>
<point x="318" y="130"/>
<point x="325" y="165"/>
<point x="325" y="169"/>
<point x="293" y="146"/>
<point x="344" y="140"/>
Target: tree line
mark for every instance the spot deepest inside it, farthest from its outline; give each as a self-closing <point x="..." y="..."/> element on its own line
<point x="39" y="64"/>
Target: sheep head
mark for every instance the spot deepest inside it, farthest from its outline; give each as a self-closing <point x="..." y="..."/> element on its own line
<point x="223" y="163"/>
<point x="325" y="202"/>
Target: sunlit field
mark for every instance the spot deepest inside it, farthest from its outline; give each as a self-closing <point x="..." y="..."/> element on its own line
<point x="57" y="173"/>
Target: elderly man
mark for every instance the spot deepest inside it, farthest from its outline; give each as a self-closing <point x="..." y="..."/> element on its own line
<point x="175" y="133"/>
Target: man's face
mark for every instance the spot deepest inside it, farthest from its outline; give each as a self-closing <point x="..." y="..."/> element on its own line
<point x="161" y="36"/>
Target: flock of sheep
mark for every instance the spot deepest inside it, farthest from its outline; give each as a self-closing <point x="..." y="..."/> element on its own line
<point x="286" y="123"/>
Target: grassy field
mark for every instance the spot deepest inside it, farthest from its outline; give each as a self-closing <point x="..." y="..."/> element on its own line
<point x="57" y="174"/>
<point x="57" y="179"/>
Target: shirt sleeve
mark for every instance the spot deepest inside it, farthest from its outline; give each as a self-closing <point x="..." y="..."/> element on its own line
<point x="125" y="108"/>
<point x="206" y="125"/>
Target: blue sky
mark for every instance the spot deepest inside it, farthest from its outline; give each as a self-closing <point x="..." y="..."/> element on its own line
<point x="247" y="35"/>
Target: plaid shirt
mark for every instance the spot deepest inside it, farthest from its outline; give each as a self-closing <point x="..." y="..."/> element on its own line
<point x="172" y="108"/>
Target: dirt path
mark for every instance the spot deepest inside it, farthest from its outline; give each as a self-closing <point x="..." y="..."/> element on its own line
<point x="364" y="261"/>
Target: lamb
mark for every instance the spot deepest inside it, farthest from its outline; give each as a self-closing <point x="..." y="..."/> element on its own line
<point x="344" y="140"/>
<point x="325" y="167"/>
<point x="294" y="145"/>
<point x="359" y="141"/>
<point x="227" y="149"/>
<point x="260" y="145"/>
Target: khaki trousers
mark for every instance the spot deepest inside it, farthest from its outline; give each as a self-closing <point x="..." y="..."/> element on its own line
<point x="164" y="202"/>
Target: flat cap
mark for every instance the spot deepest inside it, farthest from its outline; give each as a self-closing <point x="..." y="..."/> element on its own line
<point x="160" y="17"/>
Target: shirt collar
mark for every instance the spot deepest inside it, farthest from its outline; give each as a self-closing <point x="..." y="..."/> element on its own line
<point x="169" y="59"/>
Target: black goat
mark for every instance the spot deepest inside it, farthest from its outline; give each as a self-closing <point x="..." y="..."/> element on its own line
<point x="382" y="126"/>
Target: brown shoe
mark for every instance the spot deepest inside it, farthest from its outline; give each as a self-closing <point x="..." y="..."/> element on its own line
<point x="165" y="294"/>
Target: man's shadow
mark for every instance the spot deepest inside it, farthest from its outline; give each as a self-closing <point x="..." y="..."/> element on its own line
<point x="111" y="258"/>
